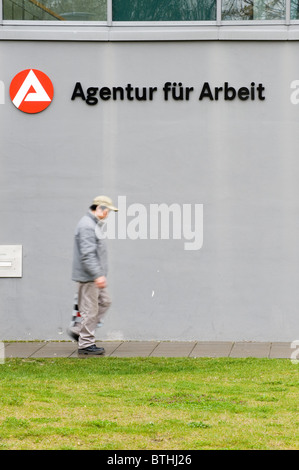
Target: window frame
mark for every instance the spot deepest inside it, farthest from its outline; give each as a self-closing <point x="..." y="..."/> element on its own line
<point x="111" y="30"/>
<point x="110" y="22"/>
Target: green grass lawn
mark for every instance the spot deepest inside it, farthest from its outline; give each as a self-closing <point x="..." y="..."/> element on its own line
<point x="149" y="403"/>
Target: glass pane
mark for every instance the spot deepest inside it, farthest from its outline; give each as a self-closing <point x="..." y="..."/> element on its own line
<point x="164" y="10"/>
<point x="55" y="10"/>
<point x="253" y="9"/>
<point x="294" y="9"/>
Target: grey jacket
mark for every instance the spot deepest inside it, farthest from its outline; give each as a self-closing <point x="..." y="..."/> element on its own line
<point x="90" y="252"/>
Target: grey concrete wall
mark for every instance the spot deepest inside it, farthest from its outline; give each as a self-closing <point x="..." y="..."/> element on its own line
<point x="237" y="158"/>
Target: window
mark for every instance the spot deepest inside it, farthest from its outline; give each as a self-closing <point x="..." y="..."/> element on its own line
<point x="150" y="11"/>
<point x="55" y="10"/>
<point x="294" y="9"/>
<point x="253" y="9"/>
<point x="164" y="10"/>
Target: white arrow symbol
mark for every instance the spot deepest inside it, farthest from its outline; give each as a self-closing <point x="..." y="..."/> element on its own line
<point x="31" y="81"/>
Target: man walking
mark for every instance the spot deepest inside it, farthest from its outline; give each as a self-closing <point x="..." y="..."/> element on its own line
<point x="90" y="271"/>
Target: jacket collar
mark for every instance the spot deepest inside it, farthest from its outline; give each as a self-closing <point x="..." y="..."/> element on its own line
<point x="93" y="217"/>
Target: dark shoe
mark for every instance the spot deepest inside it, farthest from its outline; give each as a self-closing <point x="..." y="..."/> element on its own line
<point x="73" y="335"/>
<point x="92" y="351"/>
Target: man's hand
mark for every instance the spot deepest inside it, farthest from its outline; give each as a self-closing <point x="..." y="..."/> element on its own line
<point x="101" y="282"/>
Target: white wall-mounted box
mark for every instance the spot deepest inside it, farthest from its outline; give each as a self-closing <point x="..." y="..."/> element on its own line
<point x="11" y="260"/>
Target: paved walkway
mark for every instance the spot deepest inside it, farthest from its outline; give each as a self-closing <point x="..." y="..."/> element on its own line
<point x="152" y="349"/>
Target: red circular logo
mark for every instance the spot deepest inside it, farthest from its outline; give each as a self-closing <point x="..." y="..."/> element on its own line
<point x="31" y="91"/>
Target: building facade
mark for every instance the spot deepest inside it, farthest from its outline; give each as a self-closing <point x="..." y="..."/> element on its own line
<point x="186" y="113"/>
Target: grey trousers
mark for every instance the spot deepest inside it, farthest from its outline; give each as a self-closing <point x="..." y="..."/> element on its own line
<point x="93" y="303"/>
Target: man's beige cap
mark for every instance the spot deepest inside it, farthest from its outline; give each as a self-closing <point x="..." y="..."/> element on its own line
<point x="104" y="201"/>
